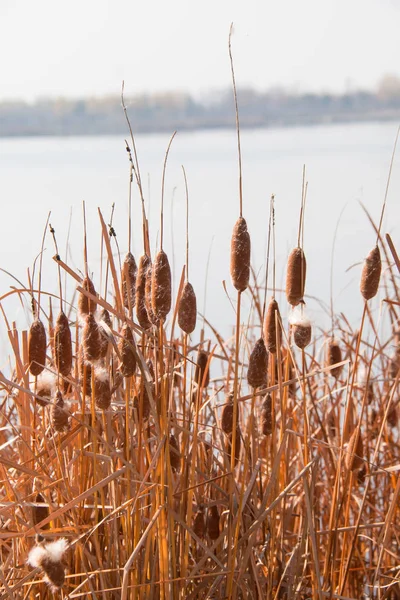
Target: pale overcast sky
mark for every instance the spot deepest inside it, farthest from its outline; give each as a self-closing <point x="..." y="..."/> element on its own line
<point x="86" y="47"/>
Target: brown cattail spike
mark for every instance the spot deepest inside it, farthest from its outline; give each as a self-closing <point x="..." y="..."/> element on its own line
<point x="295" y="276"/>
<point x="202" y="373"/>
<point x="128" y="277"/>
<point x="148" y="295"/>
<point x="354" y="452"/>
<point x="105" y="321"/>
<point x="227" y="416"/>
<point x="102" y="389"/>
<point x="199" y="523"/>
<point x="302" y="334"/>
<point x="85" y="304"/>
<point x="187" y="309"/>
<point x="174" y="455"/>
<point x="371" y="274"/>
<point x="37" y="347"/>
<point x="334" y="356"/>
<point x="126" y="348"/>
<point x="240" y="255"/>
<point x="266" y="415"/>
<point x="161" y="286"/>
<point x="63" y="345"/>
<point x="85" y="373"/>
<point x="258" y="365"/>
<point x="141" y="312"/>
<point x="91" y="340"/>
<point x="59" y="416"/>
<point x="212" y="523"/>
<point x="272" y="332"/>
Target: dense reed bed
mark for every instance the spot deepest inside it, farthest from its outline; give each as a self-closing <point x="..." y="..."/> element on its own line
<point x="144" y="456"/>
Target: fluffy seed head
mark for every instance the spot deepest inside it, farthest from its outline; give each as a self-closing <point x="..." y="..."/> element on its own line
<point x="85" y="373"/>
<point x="295" y="276"/>
<point x="161" y="286"/>
<point x="49" y="557"/>
<point x="187" y="309"/>
<point x="126" y="348"/>
<point x="102" y="389"/>
<point x="85" y="304"/>
<point x="105" y="326"/>
<point x="258" y="365"/>
<point x="302" y="334"/>
<point x="45" y="387"/>
<point x="240" y="255"/>
<point x="141" y="312"/>
<point x="334" y="356"/>
<point x="128" y="278"/>
<point x="37" y="347"/>
<point x="371" y="274"/>
<point x="272" y="333"/>
<point x="91" y="342"/>
<point x="63" y="345"/>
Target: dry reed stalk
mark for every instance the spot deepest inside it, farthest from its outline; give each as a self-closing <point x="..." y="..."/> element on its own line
<point x="238" y="443"/>
<point x="161" y="286"/>
<point x="141" y="311"/>
<point x="126" y="349"/>
<point x="199" y="523"/>
<point x="58" y="415"/>
<point x="128" y="279"/>
<point x="302" y="334"/>
<point x="394" y="364"/>
<point x="334" y="356"/>
<point x="266" y="415"/>
<point x="187" y="309"/>
<point x="295" y="276"/>
<point x="258" y="365"/>
<point x="174" y="454"/>
<point x="91" y="339"/>
<point x="37" y="347"/>
<point x="102" y="389"/>
<point x="272" y="333"/>
<point x="240" y="255"/>
<point x="371" y="274"/>
<point x="227" y="416"/>
<point x="85" y="304"/>
<point x="40" y="512"/>
<point x="355" y="452"/>
<point x="212" y="522"/>
<point x="63" y="345"/>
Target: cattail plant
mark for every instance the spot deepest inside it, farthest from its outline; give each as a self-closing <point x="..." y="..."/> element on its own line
<point x="85" y="304"/>
<point x="85" y="372"/>
<point x="202" y="371"/>
<point x="266" y="418"/>
<point x="258" y="365"/>
<point x="128" y="278"/>
<point x="45" y="387"/>
<point x="126" y="349"/>
<point x="48" y="556"/>
<point x="161" y="286"/>
<point x="355" y="451"/>
<point x="212" y="522"/>
<point x="105" y="328"/>
<point x="187" y="308"/>
<point x="296" y="266"/>
<point x="333" y="357"/>
<point x="234" y="444"/>
<point x="37" y="344"/>
<point x="58" y="415"/>
<point x="102" y="388"/>
<point x="199" y="523"/>
<point x="271" y="328"/>
<point x="63" y="345"/>
<point x="227" y="415"/>
<point x="240" y="255"/>
<point x="301" y="327"/>
<point x="91" y="339"/>
<point x="148" y="295"/>
<point x="371" y="274"/>
<point x="174" y="454"/>
<point x="141" y="304"/>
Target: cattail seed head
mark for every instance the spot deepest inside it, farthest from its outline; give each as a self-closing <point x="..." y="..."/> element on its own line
<point x="295" y="276"/>
<point x="272" y="333"/>
<point x="37" y="347"/>
<point x="148" y="296"/>
<point x="371" y="274"/>
<point x="91" y="341"/>
<point x="49" y="557"/>
<point x="40" y="512"/>
<point x="227" y="416"/>
<point x="174" y="454"/>
<point x="266" y="415"/>
<point x="45" y="387"/>
<point x="105" y="324"/>
<point x="102" y="389"/>
<point x="199" y="523"/>
<point x="187" y="309"/>
<point x="334" y="356"/>
<point x="126" y="348"/>
<point x="240" y="255"/>
<point x="212" y="523"/>
<point x="258" y="365"/>
<point x="141" y="312"/>
<point x="128" y="278"/>
<point x="202" y="372"/>
<point x="85" y="304"/>
<point x="85" y="373"/>
<point x="302" y="334"/>
<point x="354" y="452"/>
<point x="63" y="345"/>
<point x="161" y="286"/>
<point x="58" y="415"/>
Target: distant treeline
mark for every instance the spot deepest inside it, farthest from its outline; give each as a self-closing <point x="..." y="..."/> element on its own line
<point x="170" y="111"/>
